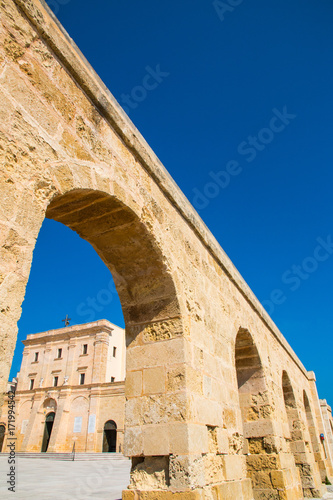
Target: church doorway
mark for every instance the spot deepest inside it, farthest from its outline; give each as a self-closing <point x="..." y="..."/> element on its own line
<point x="110" y="437"/>
<point x="47" y="431"/>
<point x="2" y="436"/>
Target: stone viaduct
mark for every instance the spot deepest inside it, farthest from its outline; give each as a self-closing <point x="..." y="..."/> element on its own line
<point x="218" y="405"/>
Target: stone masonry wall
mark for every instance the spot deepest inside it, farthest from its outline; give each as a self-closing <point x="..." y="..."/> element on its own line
<point x="69" y="152"/>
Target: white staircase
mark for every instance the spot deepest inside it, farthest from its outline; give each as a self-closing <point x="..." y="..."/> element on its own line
<point x="70" y="456"/>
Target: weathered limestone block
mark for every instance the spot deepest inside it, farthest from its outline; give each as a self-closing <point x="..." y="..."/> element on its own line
<point x="154" y="380"/>
<point x="162" y="495"/>
<point x="151" y="473"/>
<point x="214" y="470"/>
<point x="232" y="490"/>
<point x="205" y="363"/>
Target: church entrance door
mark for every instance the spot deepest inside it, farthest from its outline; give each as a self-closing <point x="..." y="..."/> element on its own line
<point x="47" y="431"/>
<point x="110" y="437"/>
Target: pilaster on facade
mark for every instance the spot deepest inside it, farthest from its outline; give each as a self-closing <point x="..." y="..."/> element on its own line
<point x="36" y="415"/>
<point x="101" y="348"/>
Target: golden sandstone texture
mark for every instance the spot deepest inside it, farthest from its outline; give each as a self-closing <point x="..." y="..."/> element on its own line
<point x="217" y="403"/>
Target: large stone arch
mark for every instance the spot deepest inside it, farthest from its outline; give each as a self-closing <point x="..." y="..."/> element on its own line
<point x="255" y="401"/>
<point x="313" y="441"/>
<point x="251" y="380"/>
<point x="125" y="241"/>
<point x="269" y="464"/>
<point x="294" y="433"/>
<point x="112" y="203"/>
<point x="141" y="272"/>
<point x="69" y="152"/>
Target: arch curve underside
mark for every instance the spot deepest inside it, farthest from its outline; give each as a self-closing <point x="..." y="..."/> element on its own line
<point x="191" y="394"/>
<point x="143" y="281"/>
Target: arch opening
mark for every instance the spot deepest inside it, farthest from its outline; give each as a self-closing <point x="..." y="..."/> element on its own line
<point x="294" y="422"/>
<point x="143" y="281"/>
<point x="314" y="443"/>
<point x="250" y="376"/>
<point x="295" y="436"/>
<point x="256" y="413"/>
<point x="143" y="278"/>
<point x="49" y="421"/>
<point x="110" y="437"/>
<point x="299" y="447"/>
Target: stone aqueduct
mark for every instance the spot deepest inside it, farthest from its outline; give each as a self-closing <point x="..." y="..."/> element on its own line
<point x="218" y="405"/>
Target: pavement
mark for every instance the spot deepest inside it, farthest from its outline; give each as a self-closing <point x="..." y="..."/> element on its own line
<point x="328" y="495"/>
<point x="43" y="479"/>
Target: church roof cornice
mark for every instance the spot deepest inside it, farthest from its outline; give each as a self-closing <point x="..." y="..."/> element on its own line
<point x="71" y="332"/>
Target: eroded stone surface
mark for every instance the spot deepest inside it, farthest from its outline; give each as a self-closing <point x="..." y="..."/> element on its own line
<point x="68" y="152"/>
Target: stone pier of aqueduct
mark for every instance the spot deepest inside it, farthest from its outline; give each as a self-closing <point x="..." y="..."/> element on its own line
<point x="217" y="404"/>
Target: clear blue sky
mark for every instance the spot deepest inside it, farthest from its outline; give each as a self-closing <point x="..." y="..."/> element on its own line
<point x="210" y="112"/>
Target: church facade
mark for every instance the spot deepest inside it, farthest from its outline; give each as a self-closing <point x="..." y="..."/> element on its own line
<point x="70" y="390"/>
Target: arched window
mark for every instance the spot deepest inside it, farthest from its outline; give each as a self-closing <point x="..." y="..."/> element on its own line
<point x="254" y="404"/>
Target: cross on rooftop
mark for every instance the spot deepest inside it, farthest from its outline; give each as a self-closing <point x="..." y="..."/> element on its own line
<point x="66" y="320"/>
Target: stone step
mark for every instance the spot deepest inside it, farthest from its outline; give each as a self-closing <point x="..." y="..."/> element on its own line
<point x="69" y="456"/>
